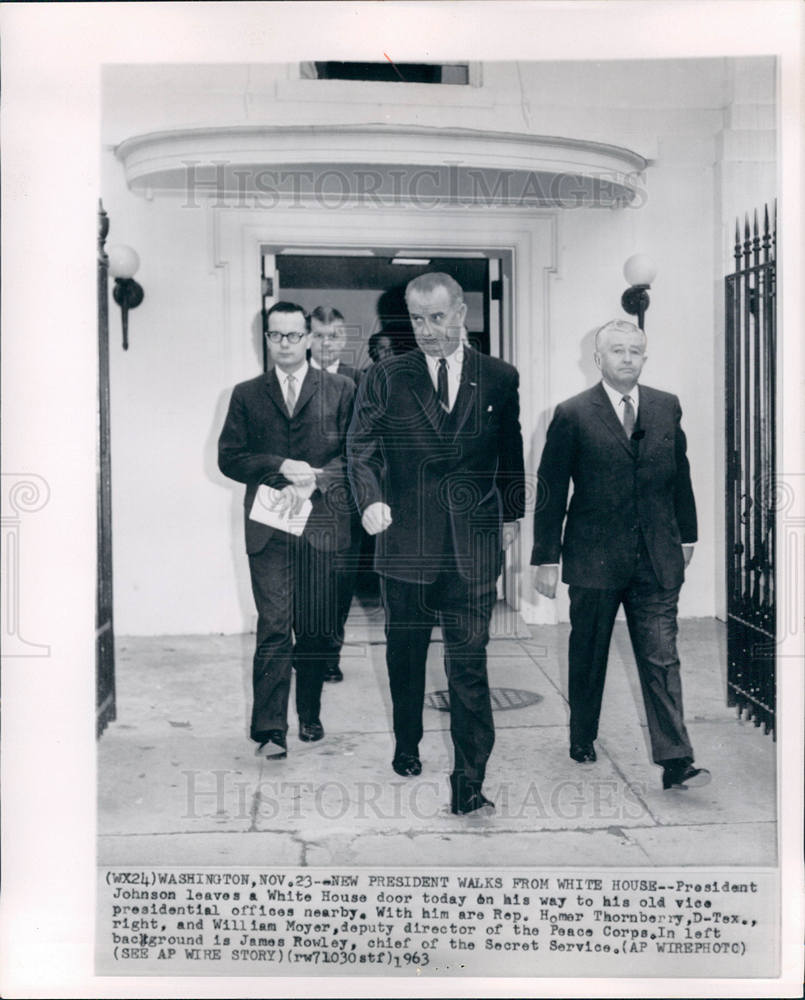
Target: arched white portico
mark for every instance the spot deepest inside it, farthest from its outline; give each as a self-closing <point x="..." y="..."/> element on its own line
<point x="240" y="159"/>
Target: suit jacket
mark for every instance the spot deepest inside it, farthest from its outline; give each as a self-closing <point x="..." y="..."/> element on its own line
<point x="620" y="489"/>
<point x="348" y="371"/>
<point x="450" y="480"/>
<point x="258" y="435"/>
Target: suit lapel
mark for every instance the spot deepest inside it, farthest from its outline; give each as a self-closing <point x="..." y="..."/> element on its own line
<point x="646" y="422"/>
<point x="609" y="418"/>
<point x="467" y="388"/>
<point x="272" y="384"/>
<point x="309" y="386"/>
<point x="422" y="390"/>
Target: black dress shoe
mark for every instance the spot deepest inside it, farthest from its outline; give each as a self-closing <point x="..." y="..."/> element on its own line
<point x="333" y="674"/>
<point x="471" y="804"/>
<point x="309" y="732"/>
<point x="583" y="753"/>
<point x="684" y="775"/>
<point x="466" y="797"/>
<point x="407" y="765"/>
<point x="273" y="747"/>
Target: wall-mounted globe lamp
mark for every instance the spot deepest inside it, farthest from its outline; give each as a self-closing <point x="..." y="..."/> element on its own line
<point x="639" y="270"/>
<point x="123" y="264"/>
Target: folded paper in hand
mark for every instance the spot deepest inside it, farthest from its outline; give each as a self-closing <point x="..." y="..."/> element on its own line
<point x="264" y="510"/>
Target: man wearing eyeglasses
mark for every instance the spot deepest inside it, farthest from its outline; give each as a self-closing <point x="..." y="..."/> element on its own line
<point x="287" y="429"/>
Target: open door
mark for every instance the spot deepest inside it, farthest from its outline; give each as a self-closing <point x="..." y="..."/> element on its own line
<point x="270" y="293"/>
<point x="499" y="328"/>
<point x="366" y="285"/>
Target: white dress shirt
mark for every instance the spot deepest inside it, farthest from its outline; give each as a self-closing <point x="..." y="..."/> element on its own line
<point x="616" y="398"/>
<point x="332" y="368"/>
<point x="455" y="362"/>
<point x="299" y="378"/>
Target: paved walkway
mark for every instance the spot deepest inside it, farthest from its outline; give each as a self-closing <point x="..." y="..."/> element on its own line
<point x="179" y="783"/>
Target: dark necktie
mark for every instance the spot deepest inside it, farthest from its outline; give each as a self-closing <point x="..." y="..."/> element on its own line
<point x="441" y="385"/>
<point x="290" y="400"/>
<point x="628" y="416"/>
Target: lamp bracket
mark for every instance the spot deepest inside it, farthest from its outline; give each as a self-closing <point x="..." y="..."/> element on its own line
<point x="128" y="294"/>
<point x="635" y="299"/>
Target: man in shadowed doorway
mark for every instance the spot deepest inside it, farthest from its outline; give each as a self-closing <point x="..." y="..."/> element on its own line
<point x="435" y="458"/>
<point x="628" y="537"/>
<point x="381" y="347"/>
<point x="328" y="339"/>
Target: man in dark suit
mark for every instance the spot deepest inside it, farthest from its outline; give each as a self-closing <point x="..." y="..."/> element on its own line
<point x="628" y="537"/>
<point x="286" y="429"/>
<point x="328" y="339"/>
<point x="436" y="464"/>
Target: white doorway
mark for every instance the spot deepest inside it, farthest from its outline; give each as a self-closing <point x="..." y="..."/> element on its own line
<point x="366" y="285"/>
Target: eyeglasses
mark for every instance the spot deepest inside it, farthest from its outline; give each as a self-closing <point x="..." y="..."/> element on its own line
<point x="276" y="337"/>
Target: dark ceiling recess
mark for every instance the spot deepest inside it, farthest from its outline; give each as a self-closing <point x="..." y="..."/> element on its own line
<point x="389" y="72"/>
<point x="309" y="271"/>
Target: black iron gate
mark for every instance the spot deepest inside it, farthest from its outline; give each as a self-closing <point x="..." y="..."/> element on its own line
<point x="751" y="322"/>
<point x="104" y="634"/>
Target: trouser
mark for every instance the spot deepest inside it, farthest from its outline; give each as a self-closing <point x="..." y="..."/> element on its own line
<point x="651" y="615"/>
<point x="296" y="593"/>
<point x="346" y="565"/>
<point x="463" y="609"/>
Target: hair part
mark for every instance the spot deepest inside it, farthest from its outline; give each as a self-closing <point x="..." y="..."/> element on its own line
<point x="327" y="315"/>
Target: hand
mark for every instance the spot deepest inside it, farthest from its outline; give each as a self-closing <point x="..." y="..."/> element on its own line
<point x="299" y="473"/>
<point x="376" y="518"/>
<point x="687" y="554"/>
<point x="511" y="531"/>
<point x="289" y="500"/>
<point x="545" y="579"/>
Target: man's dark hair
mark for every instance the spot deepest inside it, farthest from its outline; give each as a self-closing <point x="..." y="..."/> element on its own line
<point x="287" y="307"/>
<point x="374" y="341"/>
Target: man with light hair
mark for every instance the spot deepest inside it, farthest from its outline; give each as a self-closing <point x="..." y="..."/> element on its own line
<point x="628" y="537"/>
<point x="328" y="340"/>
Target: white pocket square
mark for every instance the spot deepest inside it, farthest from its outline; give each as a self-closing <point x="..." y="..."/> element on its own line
<point x="489" y="408"/>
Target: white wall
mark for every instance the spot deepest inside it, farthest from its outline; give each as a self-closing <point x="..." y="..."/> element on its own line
<point x="675" y="232"/>
<point x="179" y="561"/>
